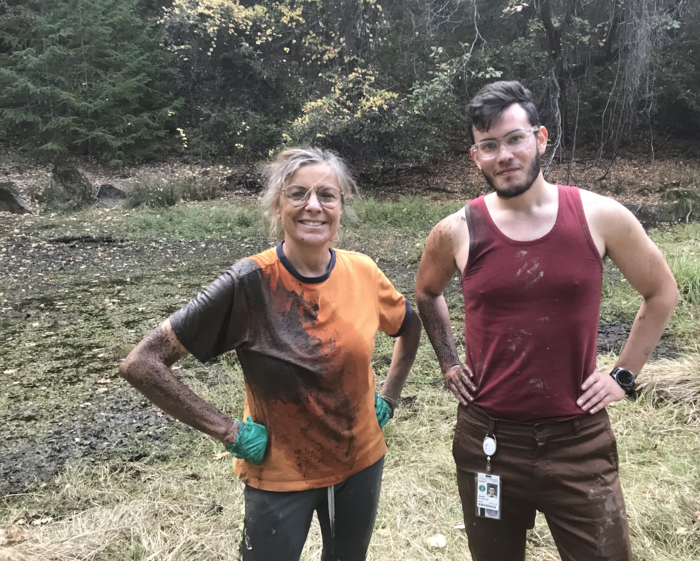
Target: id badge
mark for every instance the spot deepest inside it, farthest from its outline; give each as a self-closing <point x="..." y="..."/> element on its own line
<point x="488" y="496"/>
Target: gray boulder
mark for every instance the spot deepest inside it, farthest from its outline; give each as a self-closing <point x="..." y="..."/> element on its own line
<point x="11" y="200"/>
<point x="109" y="196"/>
<point x="68" y="185"/>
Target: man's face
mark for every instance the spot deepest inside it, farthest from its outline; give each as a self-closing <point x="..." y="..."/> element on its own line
<point x="511" y="172"/>
<point x="492" y="492"/>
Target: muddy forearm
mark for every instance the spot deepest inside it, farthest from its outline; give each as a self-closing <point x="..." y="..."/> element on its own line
<point x="405" y="349"/>
<point x="158" y="384"/>
<point x="147" y="368"/>
<point x="436" y="320"/>
<point x="647" y="329"/>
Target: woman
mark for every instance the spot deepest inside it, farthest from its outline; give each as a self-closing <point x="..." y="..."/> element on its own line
<point x="302" y="319"/>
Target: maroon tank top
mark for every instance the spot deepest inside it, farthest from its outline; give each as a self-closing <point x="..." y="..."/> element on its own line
<point x="531" y="312"/>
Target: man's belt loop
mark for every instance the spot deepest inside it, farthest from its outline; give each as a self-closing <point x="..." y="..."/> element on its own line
<point x="577" y="426"/>
<point x="492" y="425"/>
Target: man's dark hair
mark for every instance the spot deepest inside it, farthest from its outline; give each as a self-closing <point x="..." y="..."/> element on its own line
<point x="488" y="105"/>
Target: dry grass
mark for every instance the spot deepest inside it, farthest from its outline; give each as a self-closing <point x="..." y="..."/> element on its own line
<point x="674" y="381"/>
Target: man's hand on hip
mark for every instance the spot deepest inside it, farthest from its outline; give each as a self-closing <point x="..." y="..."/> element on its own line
<point x="460" y="381"/>
<point x="598" y="391"/>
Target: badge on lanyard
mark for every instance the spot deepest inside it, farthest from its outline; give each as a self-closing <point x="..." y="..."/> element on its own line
<point x="488" y="486"/>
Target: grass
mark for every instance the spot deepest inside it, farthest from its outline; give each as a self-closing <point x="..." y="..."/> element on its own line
<point x="182" y="500"/>
<point x="159" y="192"/>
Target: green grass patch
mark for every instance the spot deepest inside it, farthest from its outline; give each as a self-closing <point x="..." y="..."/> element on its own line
<point x="191" y="221"/>
<point x="411" y="213"/>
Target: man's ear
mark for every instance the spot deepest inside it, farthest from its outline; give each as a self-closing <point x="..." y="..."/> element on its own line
<point x="542" y="136"/>
<point x="472" y="152"/>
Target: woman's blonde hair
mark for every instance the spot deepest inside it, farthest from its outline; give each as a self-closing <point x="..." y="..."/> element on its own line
<point x="278" y="173"/>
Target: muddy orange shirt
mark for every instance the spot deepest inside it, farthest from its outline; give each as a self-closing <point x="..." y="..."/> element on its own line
<point x="305" y="346"/>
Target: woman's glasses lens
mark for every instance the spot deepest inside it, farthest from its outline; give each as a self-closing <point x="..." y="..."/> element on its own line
<point x="328" y="197"/>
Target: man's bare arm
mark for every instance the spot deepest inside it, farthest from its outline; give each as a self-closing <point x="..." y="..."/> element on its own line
<point x="644" y="267"/>
<point x="147" y="368"/>
<point x="437" y="266"/>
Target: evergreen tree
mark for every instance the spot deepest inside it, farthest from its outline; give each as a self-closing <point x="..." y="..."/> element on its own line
<point x="86" y="77"/>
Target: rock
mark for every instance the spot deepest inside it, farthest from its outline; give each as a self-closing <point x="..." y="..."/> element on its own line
<point x="109" y="196"/>
<point x="11" y="201"/>
<point x="651" y="215"/>
<point x="69" y="185"/>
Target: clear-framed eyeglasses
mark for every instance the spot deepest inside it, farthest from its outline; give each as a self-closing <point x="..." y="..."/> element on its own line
<point x="515" y="141"/>
<point x="328" y="196"/>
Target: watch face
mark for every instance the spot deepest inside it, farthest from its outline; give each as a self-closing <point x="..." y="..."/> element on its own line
<point x="625" y="378"/>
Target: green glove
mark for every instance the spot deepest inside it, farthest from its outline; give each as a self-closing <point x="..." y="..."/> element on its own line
<point x="384" y="410"/>
<point x="250" y="443"/>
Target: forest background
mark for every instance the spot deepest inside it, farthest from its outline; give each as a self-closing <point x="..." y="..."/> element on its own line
<point x="386" y="83"/>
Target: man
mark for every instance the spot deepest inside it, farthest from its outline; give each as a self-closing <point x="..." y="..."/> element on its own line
<point x="532" y="417"/>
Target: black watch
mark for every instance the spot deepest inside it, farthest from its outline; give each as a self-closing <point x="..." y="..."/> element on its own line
<point x="625" y="379"/>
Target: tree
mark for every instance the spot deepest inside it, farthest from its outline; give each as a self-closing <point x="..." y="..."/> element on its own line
<point x="85" y="77"/>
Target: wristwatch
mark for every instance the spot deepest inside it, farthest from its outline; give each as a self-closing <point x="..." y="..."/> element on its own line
<point x="625" y="379"/>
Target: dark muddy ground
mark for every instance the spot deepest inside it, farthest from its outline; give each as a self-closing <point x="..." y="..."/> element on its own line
<point x="70" y="312"/>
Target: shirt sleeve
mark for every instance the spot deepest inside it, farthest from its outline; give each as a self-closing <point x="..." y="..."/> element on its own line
<point x="214" y="322"/>
<point x="394" y="308"/>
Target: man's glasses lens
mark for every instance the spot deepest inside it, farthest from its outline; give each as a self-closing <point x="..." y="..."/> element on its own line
<point x="514" y="141"/>
<point x="327" y="196"/>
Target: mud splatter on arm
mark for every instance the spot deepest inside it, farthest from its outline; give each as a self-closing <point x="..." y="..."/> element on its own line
<point x="147" y="368"/>
<point x="436" y="269"/>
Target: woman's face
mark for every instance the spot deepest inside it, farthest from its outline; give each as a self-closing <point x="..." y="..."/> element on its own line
<point x="310" y="224"/>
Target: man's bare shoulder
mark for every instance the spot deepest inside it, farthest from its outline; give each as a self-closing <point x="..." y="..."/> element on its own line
<point x="452" y="228"/>
<point x="602" y="210"/>
<point x="610" y="221"/>
<point x="593" y="202"/>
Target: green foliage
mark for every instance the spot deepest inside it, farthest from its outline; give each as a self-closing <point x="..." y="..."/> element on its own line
<point x="158" y="192"/>
<point x="85" y="77"/>
<point x="380" y="82"/>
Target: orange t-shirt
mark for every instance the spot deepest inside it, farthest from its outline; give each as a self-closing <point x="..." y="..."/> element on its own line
<point x="305" y="346"/>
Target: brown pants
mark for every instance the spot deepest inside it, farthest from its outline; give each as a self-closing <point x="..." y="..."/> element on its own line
<point x="567" y="470"/>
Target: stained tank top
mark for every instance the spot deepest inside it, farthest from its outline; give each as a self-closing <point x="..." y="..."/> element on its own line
<point x="531" y="313"/>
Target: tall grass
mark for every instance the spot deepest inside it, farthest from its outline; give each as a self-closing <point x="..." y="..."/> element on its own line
<point x="156" y="191"/>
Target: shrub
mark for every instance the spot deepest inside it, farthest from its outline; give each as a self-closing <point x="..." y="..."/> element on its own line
<point x="159" y="192"/>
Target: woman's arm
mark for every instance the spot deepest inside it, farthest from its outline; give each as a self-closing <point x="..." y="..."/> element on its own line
<point x="404" y="354"/>
<point x="147" y="368"/>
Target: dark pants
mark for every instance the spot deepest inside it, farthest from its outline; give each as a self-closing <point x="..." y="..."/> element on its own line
<point x="567" y="470"/>
<point x="276" y="524"/>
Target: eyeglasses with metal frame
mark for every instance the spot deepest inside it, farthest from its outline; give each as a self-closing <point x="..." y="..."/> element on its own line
<point x="328" y="196"/>
<point x="515" y="141"/>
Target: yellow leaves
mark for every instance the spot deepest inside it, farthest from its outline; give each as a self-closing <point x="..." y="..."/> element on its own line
<point x="290" y="17"/>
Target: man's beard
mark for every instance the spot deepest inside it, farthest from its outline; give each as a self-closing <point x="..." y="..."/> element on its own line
<point x="519" y="188"/>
